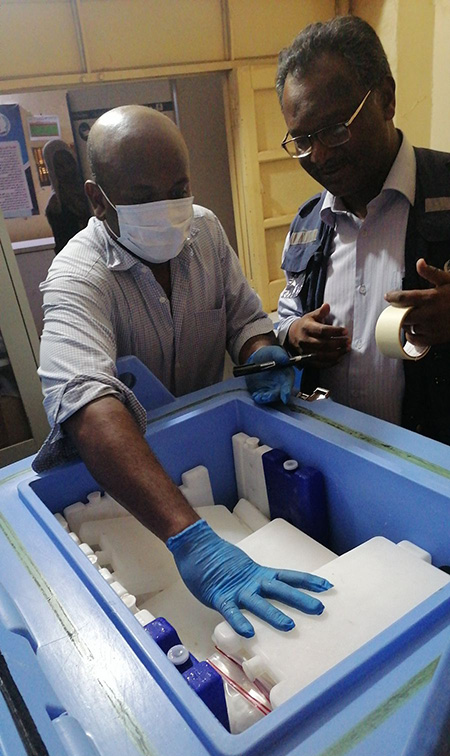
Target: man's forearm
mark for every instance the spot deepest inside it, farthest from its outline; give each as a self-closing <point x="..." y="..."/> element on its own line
<point x="109" y="442"/>
<point x="256" y="342"/>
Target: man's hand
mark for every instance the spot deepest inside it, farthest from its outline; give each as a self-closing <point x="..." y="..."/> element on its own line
<point x="272" y="385"/>
<point x="311" y="335"/>
<point x="429" y="321"/>
<point x="224" y="578"/>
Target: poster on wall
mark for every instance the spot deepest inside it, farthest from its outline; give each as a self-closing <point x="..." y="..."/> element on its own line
<point x="17" y="195"/>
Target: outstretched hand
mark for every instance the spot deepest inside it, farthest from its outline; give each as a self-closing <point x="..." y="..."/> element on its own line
<point x="310" y="334"/>
<point x="430" y="318"/>
<point x="224" y="578"/>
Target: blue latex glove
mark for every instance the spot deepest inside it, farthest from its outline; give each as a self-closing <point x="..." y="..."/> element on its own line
<point x="271" y="385"/>
<point x="221" y="576"/>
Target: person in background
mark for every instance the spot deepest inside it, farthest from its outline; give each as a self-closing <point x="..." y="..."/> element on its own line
<point x="154" y="275"/>
<point x="67" y="210"/>
<point x="378" y="234"/>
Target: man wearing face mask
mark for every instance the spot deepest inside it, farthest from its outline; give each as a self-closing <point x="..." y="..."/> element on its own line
<point x="154" y="276"/>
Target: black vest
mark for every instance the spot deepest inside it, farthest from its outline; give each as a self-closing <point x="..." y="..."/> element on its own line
<point x="426" y="403"/>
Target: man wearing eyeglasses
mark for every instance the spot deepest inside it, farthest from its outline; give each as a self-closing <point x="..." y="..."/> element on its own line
<point x="379" y="233"/>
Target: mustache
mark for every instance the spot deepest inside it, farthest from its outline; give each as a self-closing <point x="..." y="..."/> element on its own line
<point x="331" y="166"/>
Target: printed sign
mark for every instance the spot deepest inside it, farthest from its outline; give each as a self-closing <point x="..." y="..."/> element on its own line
<point x="17" y="195"/>
<point x="15" y="200"/>
<point x="44" y="127"/>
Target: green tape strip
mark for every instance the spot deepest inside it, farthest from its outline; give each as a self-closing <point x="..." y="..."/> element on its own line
<point x="413" y="459"/>
<point x="379" y="715"/>
<point x="132" y="727"/>
<point x="192" y="405"/>
<point x="407" y="456"/>
<point x="18" y="474"/>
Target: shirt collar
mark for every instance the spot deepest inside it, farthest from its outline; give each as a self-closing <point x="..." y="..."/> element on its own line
<point x="331" y="207"/>
<point x="401" y="178"/>
<point x="116" y="257"/>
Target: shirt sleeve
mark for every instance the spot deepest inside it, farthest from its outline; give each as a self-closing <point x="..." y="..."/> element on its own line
<point x="288" y="304"/>
<point x="78" y="356"/>
<point x="245" y="316"/>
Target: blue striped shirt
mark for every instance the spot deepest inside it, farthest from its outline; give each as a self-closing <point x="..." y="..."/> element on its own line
<point x="101" y="303"/>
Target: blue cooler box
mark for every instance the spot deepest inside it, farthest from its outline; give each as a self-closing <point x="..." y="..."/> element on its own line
<point x="80" y="676"/>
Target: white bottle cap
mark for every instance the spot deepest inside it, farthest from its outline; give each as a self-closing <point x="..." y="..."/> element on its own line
<point x="290" y="464"/>
<point x="226" y="639"/>
<point x="178" y="655"/>
<point x="62" y="521"/>
<point x="86" y="549"/>
<point x="93" y="558"/>
<point x="106" y="574"/>
<point x="143" y="616"/>
<point x="118" y="588"/>
<point x="254" y="667"/>
<point x="130" y="601"/>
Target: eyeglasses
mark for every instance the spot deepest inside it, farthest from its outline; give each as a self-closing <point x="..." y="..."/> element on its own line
<point x="330" y="136"/>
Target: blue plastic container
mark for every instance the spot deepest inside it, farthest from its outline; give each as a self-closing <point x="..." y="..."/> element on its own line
<point x="200" y="676"/>
<point x="298" y="495"/>
<point x="163" y="633"/>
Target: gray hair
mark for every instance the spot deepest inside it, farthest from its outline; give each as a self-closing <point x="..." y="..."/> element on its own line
<point x="348" y="36"/>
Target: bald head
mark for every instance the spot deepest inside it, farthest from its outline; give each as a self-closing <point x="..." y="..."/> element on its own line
<point x="126" y="139"/>
<point x="137" y="155"/>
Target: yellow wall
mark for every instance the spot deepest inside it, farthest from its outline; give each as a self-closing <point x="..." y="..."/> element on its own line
<point x="440" y="116"/>
<point x="49" y="46"/>
<point x="263" y="28"/>
<point x="415" y="36"/>
<point x="60" y="44"/>
<point x="66" y="42"/>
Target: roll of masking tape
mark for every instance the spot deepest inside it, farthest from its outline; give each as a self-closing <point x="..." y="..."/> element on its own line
<point x="390" y="337"/>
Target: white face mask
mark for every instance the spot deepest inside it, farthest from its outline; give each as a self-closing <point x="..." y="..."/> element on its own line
<point x="154" y="231"/>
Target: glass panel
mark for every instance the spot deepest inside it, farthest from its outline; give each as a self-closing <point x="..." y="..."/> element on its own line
<point x="14" y="426"/>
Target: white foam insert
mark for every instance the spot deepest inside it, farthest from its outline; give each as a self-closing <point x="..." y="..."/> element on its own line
<point x="248" y="466"/>
<point x="98" y="507"/>
<point x="280" y="545"/>
<point x="416" y="550"/>
<point x="277" y="544"/>
<point x="250" y="515"/>
<point x="140" y="561"/>
<point x="375" y="584"/>
<point x="196" y="487"/>
<point x="224" y="523"/>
